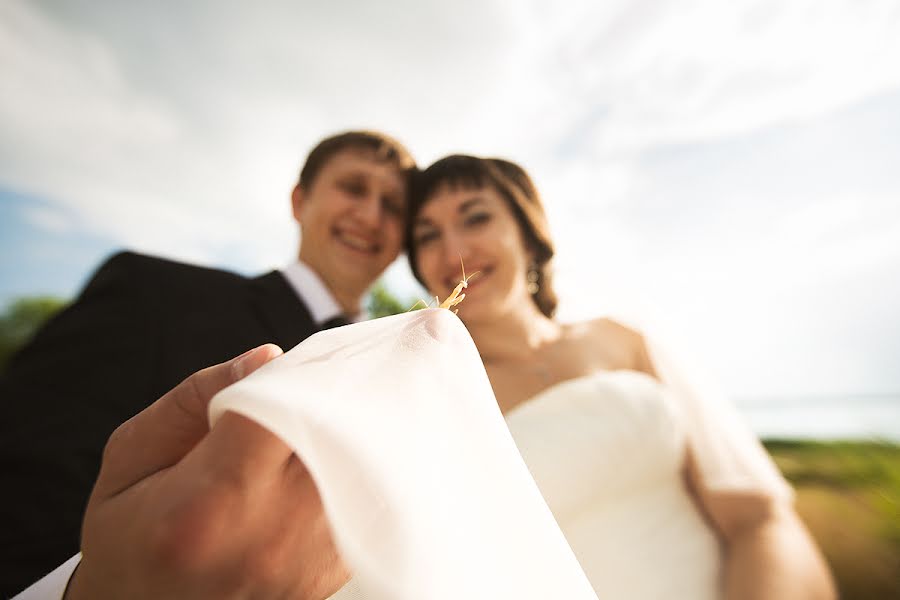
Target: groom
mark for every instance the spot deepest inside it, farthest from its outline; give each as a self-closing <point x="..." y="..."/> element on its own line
<point x="143" y="324"/>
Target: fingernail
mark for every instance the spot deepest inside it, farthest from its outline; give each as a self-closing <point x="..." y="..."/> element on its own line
<point x="249" y="361"/>
<point x="241" y="365"/>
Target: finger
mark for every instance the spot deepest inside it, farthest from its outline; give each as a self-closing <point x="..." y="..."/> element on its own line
<point x="241" y="450"/>
<point x="192" y="396"/>
<point x="163" y="433"/>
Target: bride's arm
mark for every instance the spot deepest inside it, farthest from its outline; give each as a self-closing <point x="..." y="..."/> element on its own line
<point x="768" y="552"/>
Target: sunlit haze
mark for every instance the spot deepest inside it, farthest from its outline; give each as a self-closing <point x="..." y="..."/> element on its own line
<point x="728" y="170"/>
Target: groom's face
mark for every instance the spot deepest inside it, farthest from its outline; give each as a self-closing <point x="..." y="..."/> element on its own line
<point x="351" y="216"/>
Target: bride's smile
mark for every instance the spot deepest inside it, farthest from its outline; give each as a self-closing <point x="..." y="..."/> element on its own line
<point x="476" y="226"/>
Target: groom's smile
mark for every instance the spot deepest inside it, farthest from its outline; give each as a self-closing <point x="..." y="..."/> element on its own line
<point x="351" y="219"/>
<point x="357" y="241"/>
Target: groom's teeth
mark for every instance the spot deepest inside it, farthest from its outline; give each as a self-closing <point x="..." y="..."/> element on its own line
<point x="356" y="242"/>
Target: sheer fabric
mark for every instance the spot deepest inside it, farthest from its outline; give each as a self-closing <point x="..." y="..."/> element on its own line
<point x="728" y="454"/>
<point x="425" y="490"/>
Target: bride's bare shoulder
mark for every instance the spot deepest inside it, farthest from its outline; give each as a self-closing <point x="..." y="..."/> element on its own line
<point x="612" y="330"/>
<point x="619" y="345"/>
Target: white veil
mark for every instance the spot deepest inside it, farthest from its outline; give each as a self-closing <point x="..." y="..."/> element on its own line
<point x="424" y="488"/>
<point x="728" y="454"/>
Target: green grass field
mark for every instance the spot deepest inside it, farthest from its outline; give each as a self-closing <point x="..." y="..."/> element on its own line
<point x="849" y="495"/>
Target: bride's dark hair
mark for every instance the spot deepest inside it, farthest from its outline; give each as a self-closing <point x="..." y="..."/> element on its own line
<point x="515" y="186"/>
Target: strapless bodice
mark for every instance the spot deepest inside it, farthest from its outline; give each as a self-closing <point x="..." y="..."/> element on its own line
<point x="607" y="451"/>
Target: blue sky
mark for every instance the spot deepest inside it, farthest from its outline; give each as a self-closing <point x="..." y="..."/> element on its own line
<point x="721" y="171"/>
<point x="42" y="256"/>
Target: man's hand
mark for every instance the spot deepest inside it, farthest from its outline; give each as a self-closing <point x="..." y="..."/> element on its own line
<point x="179" y="511"/>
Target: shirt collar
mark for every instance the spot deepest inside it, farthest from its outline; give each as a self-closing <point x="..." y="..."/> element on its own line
<point x="315" y="294"/>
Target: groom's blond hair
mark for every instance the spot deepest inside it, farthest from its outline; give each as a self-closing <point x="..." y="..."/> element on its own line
<point x="384" y="147"/>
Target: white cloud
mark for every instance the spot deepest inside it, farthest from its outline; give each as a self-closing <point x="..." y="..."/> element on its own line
<point x="691" y="153"/>
<point x="50" y="219"/>
<point x="674" y="72"/>
<point x="187" y="137"/>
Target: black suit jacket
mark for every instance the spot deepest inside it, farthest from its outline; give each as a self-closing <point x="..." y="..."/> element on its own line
<point x="140" y="326"/>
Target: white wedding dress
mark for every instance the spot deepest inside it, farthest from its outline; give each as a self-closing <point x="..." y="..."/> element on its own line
<point x="606" y="451"/>
<point x="427" y="492"/>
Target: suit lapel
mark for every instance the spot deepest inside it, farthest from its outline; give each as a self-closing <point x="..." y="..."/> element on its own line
<point x="281" y="310"/>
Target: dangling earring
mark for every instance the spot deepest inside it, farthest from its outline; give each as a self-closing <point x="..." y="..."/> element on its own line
<point x="532" y="278"/>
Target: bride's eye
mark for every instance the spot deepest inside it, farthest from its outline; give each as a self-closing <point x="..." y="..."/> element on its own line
<point x="476" y="219"/>
<point x="424" y="237"/>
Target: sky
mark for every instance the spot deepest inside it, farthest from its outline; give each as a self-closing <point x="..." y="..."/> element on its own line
<point x="725" y="173"/>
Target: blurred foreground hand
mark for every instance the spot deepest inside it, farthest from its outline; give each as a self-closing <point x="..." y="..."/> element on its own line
<point x="182" y="511"/>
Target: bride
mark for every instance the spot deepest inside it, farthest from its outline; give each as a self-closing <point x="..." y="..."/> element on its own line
<point x="659" y="492"/>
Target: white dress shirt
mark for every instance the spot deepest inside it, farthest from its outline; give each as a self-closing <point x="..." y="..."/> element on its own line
<point x="52" y="586"/>
<point x="315" y="294"/>
<point x="322" y="306"/>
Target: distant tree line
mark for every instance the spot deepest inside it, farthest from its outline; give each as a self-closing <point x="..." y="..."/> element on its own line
<point x="21" y="320"/>
<point x="383" y="303"/>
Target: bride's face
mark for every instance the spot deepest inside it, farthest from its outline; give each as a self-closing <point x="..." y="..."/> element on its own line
<point x="477" y="225"/>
